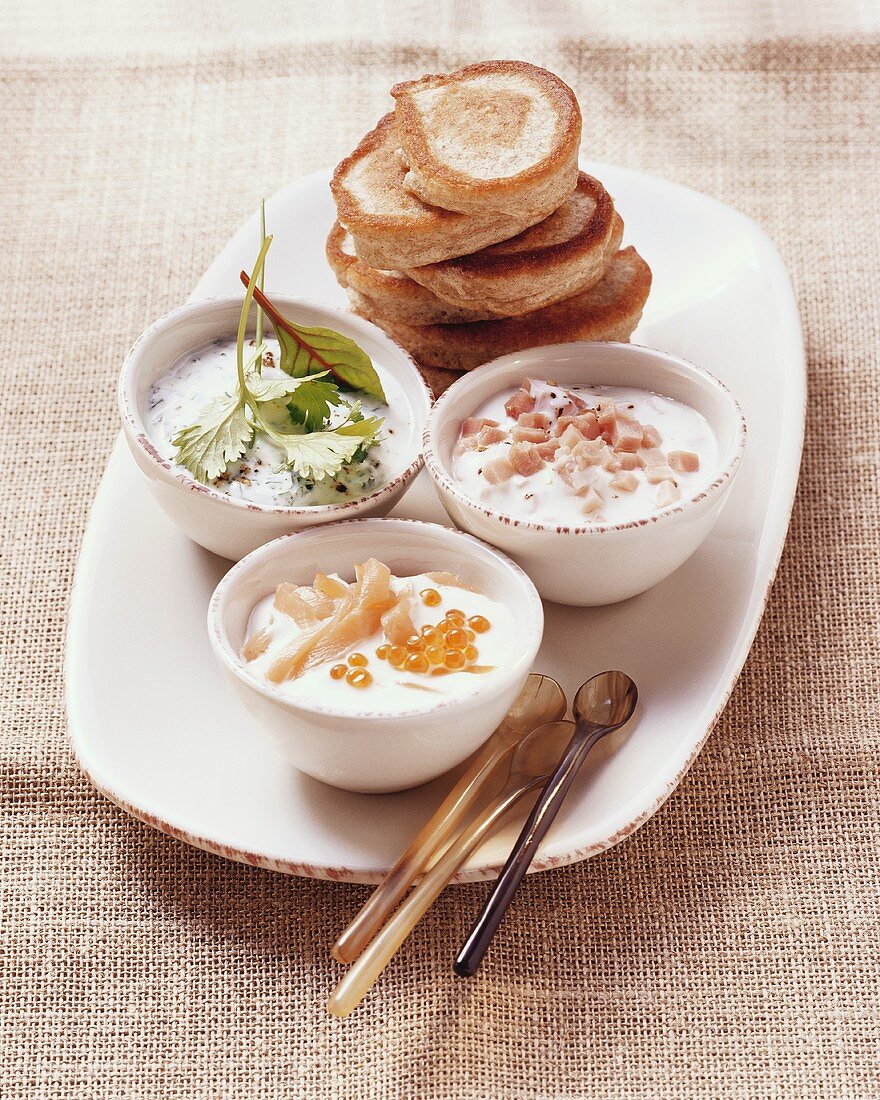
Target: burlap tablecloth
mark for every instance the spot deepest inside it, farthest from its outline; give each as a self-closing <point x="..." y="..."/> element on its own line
<point x="730" y="948"/>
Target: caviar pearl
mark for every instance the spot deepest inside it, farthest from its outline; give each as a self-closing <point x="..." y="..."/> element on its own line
<point x="359" y="678"/>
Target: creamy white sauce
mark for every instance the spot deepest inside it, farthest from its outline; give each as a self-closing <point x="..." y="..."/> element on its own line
<point x="545" y="497"/>
<point x="392" y="688"/>
<point x="204" y="373"/>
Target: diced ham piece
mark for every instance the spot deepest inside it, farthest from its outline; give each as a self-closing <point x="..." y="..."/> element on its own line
<point x="549" y="399"/>
<point x="528" y="435"/>
<point x="592" y="502"/>
<point x="607" y="415"/>
<point x="525" y="459"/>
<point x="488" y="436"/>
<point x="686" y="462"/>
<point x="577" y="479"/>
<point x="656" y="474"/>
<point x="473" y="424"/>
<point x="651" y="457"/>
<point x="521" y="402"/>
<point x="626" y="434"/>
<point x="571" y="437"/>
<point x="589" y="452"/>
<point x="465" y="444"/>
<point x="610" y="460"/>
<point x="587" y="424"/>
<point x="561" y="424"/>
<point x="625" y="482"/>
<point x="498" y="470"/>
<point x="650" y="436"/>
<point x="533" y="420"/>
<point x="629" y="461"/>
<point x="668" y="493"/>
<point x="548" y="450"/>
<point x="575" y="404"/>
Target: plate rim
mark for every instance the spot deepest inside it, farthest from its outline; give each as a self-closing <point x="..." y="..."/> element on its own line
<point x="623" y="822"/>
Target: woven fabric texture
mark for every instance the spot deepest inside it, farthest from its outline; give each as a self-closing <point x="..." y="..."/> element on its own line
<point x="731" y="948"/>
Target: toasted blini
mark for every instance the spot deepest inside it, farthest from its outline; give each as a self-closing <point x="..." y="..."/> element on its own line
<point x="610" y="310"/>
<point x="391" y="227"/>
<point x="439" y="379"/>
<point x="391" y="293"/>
<point x="497" y="136"/>
<point x="555" y="259"/>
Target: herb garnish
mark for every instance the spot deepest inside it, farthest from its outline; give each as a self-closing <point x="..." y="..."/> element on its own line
<point x="293" y="411"/>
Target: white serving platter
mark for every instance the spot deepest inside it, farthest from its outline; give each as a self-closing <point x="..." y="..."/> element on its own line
<point x="154" y="728"/>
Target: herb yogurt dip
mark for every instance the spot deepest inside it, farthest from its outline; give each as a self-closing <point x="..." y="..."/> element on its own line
<point x="260" y="475"/>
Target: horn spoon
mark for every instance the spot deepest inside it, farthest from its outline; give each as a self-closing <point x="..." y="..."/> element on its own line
<point x="540" y="700"/>
<point x="530" y="765"/>
<point x="602" y="704"/>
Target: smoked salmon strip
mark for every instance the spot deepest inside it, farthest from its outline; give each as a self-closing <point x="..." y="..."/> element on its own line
<point x="357" y="614"/>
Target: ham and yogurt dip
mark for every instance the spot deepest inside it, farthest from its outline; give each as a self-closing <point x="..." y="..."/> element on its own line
<point x="207" y="372"/>
<point x="583" y="454"/>
<point x="381" y="643"/>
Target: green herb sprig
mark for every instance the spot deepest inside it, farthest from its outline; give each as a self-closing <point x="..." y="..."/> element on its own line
<point x="293" y="412"/>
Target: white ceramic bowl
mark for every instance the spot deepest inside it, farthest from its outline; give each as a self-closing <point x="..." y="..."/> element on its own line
<point x="229" y="527"/>
<point x="598" y="563"/>
<point x="374" y="751"/>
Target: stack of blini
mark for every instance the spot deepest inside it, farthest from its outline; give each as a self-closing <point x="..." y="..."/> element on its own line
<point x="466" y="230"/>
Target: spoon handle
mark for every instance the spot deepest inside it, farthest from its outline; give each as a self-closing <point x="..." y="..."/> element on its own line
<point x="357" y="982"/>
<point x="388" y="893"/>
<point x="538" y="822"/>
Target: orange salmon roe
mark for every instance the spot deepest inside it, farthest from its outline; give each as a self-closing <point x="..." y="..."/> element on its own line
<point x="383" y="651"/>
<point x="436" y="654"/>
<point x="338" y="671"/>
<point x="357" y="660"/>
<point x="454" y="659"/>
<point x="456" y="639"/>
<point x="454" y="615"/>
<point x="430" y="597"/>
<point x="415" y="643"/>
<point x="471" y="652"/>
<point x="359" y="678"/>
<point x="396" y="656"/>
<point x="479" y="623"/>
<point x="416" y="662"/>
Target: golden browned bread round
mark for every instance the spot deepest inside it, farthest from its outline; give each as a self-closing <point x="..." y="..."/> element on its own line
<point x="391" y="293"/>
<point x="394" y="229"/>
<point x="496" y="136"/>
<point x="609" y="310"/>
<point x="551" y="261"/>
<point x="439" y="379"/>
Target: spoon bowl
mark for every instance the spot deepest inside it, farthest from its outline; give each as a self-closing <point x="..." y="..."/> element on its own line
<point x="607" y="700"/>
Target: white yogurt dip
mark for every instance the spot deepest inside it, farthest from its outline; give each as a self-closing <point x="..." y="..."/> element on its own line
<point x="177" y="398"/>
<point x="391" y="689"/>
<point x="567" y="455"/>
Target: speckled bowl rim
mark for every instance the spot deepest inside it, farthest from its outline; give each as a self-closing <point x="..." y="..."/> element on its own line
<point x="447" y="484"/>
<point x="530" y="619"/>
<point x="132" y="420"/>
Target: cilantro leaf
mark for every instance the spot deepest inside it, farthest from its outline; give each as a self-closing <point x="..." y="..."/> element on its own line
<point x="323" y="454"/>
<point x="310" y="403"/>
<point x="273" y="389"/>
<point x="221" y="435"/>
